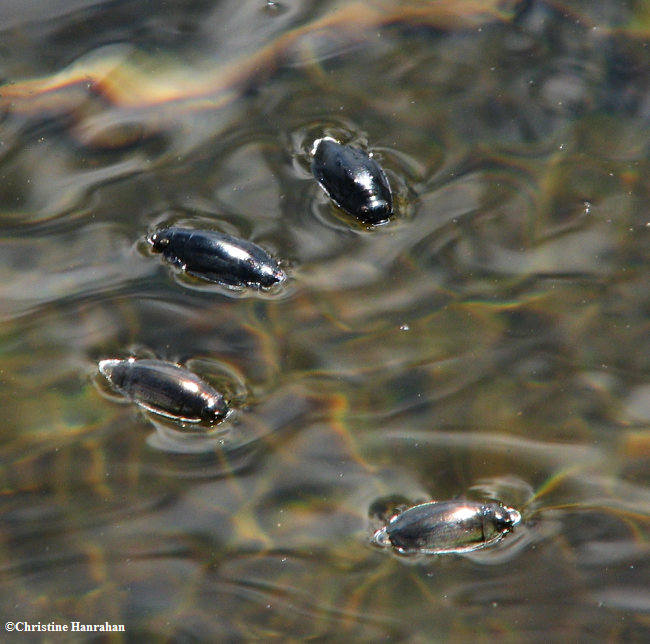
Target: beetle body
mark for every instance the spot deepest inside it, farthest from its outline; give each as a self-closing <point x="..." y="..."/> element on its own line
<point x="449" y="526"/>
<point x="217" y="257"/>
<point x="353" y="180"/>
<point x="165" y="388"/>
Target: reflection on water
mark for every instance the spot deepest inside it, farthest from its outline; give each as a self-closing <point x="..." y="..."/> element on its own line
<point x="490" y="342"/>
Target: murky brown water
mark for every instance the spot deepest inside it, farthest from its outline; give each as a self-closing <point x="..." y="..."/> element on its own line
<point x="492" y="341"/>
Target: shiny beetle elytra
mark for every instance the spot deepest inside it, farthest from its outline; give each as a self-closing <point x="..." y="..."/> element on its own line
<point x="217" y="257"/>
<point x="353" y="180"/>
<point x="448" y="527"/>
<point x="166" y="389"/>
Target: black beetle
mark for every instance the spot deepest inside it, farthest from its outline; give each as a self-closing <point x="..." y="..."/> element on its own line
<point x="353" y="180"/>
<point x="217" y="257"/>
<point x="165" y="388"/>
<point x="448" y="526"/>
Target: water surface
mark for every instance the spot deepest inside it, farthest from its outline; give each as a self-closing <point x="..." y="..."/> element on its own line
<point x="492" y="341"/>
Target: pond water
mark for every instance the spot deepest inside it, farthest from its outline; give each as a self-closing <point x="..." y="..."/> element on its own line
<point x="492" y="341"/>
